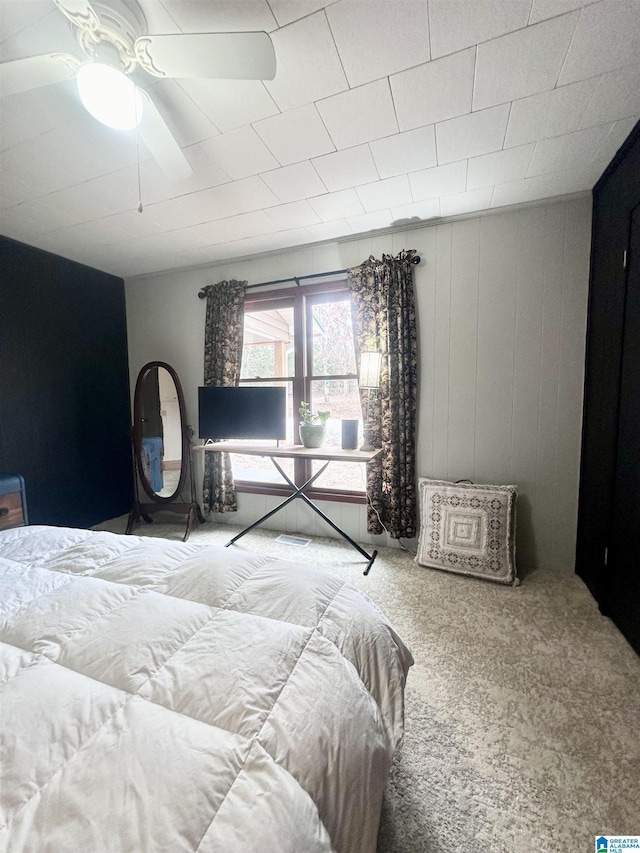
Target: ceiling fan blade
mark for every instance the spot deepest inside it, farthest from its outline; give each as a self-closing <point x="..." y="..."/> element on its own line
<point x="79" y="12"/>
<point x="161" y="142"/>
<point x="240" y="56"/>
<point x="20" y="75"/>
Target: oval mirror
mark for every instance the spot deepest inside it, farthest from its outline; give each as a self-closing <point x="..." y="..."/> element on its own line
<point x="161" y="448"/>
<point x="159" y="431"/>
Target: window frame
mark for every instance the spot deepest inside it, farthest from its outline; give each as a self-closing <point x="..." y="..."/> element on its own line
<point x="302" y="298"/>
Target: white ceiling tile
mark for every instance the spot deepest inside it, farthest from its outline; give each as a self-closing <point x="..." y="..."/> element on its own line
<point x="75" y="203"/>
<point x="405" y="152"/>
<point x="582" y="179"/>
<point x="14" y="130"/>
<point x="368" y="43"/>
<point x="543" y="9"/>
<point x="522" y="63"/>
<point x="417" y="211"/>
<point x="229" y="199"/>
<point x="158" y="19"/>
<point x="136" y="224"/>
<point x="286" y="11"/>
<point x="29" y="163"/>
<point x="456" y="25"/>
<point x="471" y="135"/>
<point x="264" y="243"/>
<point x="329" y="230"/>
<point x="186" y="238"/>
<point x="563" y="152"/>
<point x="468" y="202"/>
<point x="296" y="135"/>
<point x="172" y="214"/>
<point x="441" y="180"/>
<point x="391" y="192"/>
<point x="617" y="96"/>
<point x="240" y="153"/>
<point x="607" y="37"/>
<point x="116" y="192"/>
<point x="62" y="242"/>
<point x="359" y="115"/>
<point x="307" y="63"/>
<point x="101" y="231"/>
<point x="436" y="91"/>
<point x="291" y="183"/>
<point x="616" y="136"/>
<point x="235" y="227"/>
<point x="370" y="221"/>
<point x="193" y="16"/>
<point x="18" y="15"/>
<point x="549" y="113"/>
<point x="58" y="151"/>
<point x="337" y="205"/>
<point x="499" y="167"/>
<point x="12" y="190"/>
<point x="346" y="168"/>
<point x="39" y="110"/>
<point x="41" y="217"/>
<point x="530" y="189"/>
<point x="18" y="229"/>
<point x="296" y="214"/>
<point x="230" y="104"/>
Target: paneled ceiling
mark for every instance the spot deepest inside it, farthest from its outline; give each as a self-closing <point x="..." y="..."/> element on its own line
<point x="382" y="113"/>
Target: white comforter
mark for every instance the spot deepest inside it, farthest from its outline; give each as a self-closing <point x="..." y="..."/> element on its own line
<point x="164" y="696"/>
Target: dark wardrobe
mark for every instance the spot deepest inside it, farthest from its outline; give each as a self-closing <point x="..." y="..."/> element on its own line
<point x="608" y="544"/>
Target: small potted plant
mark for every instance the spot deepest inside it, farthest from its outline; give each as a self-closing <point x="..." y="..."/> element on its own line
<point x="312" y="427"/>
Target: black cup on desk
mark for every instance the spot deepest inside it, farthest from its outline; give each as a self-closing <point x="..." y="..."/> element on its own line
<point x="349" y="434"/>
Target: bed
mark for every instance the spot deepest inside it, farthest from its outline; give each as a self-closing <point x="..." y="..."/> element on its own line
<point x="167" y="696"/>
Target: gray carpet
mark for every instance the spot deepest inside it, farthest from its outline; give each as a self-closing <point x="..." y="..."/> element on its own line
<point x="522" y="709"/>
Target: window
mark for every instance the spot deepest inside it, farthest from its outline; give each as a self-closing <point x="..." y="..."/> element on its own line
<point x="302" y="339"/>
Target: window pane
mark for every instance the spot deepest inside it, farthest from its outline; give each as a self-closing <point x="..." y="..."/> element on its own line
<point x="333" y="350"/>
<point x="268" y="349"/>
<point x="341" y="398"/>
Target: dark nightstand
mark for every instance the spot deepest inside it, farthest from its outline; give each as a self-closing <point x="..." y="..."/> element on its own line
<point x="13" y="501"/>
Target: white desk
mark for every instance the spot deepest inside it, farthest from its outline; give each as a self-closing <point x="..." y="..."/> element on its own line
<point x="296" y="451"/>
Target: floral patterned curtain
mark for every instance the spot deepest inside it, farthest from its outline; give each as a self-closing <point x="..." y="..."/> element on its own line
<point x="384" y="320"/>
<point x="223" y="338"/>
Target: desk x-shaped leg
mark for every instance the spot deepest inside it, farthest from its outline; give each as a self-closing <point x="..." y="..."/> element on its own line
<point x="299" y="492"/>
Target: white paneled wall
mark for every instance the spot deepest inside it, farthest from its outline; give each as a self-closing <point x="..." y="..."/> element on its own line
<point x="501" y="303"/>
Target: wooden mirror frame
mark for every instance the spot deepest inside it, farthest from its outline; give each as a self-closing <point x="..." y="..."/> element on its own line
<point x="161" y="503"/>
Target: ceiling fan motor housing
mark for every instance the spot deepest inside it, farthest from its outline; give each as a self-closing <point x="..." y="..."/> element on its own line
<point x="113" y="40"/>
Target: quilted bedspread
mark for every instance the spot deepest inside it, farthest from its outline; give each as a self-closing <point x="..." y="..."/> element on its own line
<point x="168" y="696"/>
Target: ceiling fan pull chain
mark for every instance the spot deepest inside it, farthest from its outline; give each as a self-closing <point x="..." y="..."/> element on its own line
<point x="140" y="208"/>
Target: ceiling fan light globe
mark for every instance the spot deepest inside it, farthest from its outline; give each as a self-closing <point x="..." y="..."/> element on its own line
<point x="110" y="96"/>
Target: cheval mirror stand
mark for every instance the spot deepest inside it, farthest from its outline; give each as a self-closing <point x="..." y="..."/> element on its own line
<point x="161" y="449"/>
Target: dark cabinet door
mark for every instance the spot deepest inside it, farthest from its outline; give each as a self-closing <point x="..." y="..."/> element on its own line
<point x="621" y="600"/>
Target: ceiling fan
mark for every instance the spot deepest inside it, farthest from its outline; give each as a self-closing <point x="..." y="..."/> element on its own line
<point x="113" y="36"/>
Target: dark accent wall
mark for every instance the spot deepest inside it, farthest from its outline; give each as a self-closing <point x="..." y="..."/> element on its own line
<point x="64" y="387"/>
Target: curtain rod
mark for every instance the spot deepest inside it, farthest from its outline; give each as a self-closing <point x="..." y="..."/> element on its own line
<point x="298" y="278"/>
